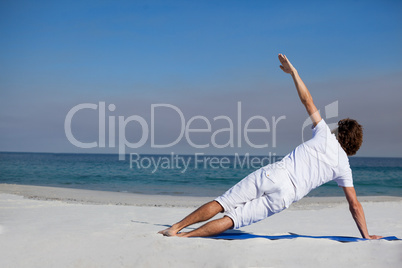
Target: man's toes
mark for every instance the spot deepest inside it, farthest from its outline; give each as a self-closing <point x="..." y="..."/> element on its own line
<point x="167" y="232"/>
<point x="162" y="231"/>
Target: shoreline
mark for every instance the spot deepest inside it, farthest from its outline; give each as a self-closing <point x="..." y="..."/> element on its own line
<point x="82" y="196"/>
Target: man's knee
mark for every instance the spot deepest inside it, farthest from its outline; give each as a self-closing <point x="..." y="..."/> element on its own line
<point x="218" y="206"/>
<point x="229" y="222"/>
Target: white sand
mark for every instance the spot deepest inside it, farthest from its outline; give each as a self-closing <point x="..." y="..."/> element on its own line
<point x="77" y="228"/>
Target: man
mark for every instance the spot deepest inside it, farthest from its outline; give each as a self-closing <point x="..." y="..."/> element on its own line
<point x="274" y="187"/>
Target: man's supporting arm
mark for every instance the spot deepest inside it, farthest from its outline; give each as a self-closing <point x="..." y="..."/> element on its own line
<point x="357" y="212"/>
<point x="302" y="90"/>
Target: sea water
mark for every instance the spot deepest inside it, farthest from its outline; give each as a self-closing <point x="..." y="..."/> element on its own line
<point x="372" y="176"/>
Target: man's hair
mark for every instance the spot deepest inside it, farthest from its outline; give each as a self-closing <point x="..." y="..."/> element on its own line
<point x="350" y="135"/>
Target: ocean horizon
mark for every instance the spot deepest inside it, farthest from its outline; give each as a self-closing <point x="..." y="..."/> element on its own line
<point x="177" y="174"/>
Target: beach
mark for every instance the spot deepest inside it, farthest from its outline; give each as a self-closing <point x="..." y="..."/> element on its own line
<point x="61" y="227"/>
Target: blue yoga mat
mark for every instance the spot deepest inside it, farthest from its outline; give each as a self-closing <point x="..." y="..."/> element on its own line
<point x="242" y="236"/>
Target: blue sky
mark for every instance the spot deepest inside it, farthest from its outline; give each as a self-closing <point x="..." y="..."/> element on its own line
<point x="202" y="57"/>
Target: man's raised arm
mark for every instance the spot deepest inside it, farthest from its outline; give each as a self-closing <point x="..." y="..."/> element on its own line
<point x="302" y="90"/>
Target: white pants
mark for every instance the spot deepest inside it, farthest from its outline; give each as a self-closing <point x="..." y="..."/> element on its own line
<point x="261" y="194"/>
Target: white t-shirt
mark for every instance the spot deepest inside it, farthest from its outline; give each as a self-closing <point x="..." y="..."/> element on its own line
<point x="318" y="161"/>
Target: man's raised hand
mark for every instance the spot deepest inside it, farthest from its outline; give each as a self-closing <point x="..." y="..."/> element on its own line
<point x="286" y="66"/>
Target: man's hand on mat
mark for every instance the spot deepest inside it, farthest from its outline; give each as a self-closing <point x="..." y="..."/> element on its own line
<point x="375" y="237"/>
<point x="286" y="66"/>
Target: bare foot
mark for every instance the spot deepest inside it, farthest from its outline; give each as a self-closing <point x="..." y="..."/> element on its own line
<point x="169" y="232"/>
<point x="182" y="234"/>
